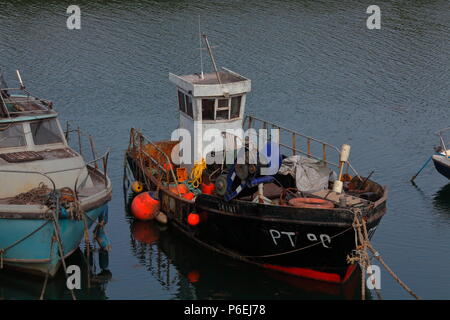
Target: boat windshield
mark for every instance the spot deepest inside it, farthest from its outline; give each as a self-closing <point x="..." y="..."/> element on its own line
<point x="45" y="132"/>
<point x="12" y="135"/>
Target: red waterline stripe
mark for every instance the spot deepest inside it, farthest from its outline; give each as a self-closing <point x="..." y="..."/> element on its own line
<point x="349" y="272"/>
<point x="307" y="273"/>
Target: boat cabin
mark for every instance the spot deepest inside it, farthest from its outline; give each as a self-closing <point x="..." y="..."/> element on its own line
<point x="210" y="101"/>
<point x="33" y="147"/>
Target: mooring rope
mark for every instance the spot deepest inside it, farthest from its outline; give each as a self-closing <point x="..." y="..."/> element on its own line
<point x="59" y="241"/>
<point x="44" y="287"/>
<point x="361" y="254"/>
<point x="3" y="250"/>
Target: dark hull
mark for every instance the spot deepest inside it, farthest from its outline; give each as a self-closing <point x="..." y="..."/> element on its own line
<point x="308" y="243"/>
<point x="441" y="166"/>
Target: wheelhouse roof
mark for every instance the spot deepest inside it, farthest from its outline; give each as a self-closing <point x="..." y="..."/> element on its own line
<point x="230" y="83"/>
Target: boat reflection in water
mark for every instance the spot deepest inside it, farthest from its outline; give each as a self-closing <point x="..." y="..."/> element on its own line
<point x="441" y="199"/>
<point x="191" y="272"/>
<point x="94" y="279"/>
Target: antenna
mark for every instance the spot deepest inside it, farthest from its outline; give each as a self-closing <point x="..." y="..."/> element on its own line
<point x="205" y="37"/>
<point x="201" y="55"/>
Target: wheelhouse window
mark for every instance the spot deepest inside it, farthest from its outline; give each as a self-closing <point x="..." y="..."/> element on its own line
<point x="185" y="103"/>
<point x="221" y="108"/>
<point x="208" y="109"/>
<point x="235" y="107"/>
<point x="181" y="101"/>
<point x="45" y="132"/>
<point x="189" y="110"/>
<point x="12" y="135"/>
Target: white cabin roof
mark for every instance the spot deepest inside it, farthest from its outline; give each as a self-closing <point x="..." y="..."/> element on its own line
<point x="209" y="86"/>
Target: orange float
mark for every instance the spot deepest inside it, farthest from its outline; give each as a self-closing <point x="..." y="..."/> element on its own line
<point x="189" y="196"/>
<point x="181" y="188"/>
<point x="144" y="206"/>
<point x="193" y="276"/>
<point x="193" y="219"/>
<point x="311" y="203"/>
<point x="207" y="188"/>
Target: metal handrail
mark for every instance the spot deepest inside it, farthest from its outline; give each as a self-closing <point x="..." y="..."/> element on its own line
<point x="309" y="139"/>
<point x="140" y="135"/>
<point x="442" y="130"/>
<point x="441" y="138"/>
<point x="95" y="159"/>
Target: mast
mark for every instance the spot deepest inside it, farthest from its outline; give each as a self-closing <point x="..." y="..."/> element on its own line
<point x="205" y="37"/>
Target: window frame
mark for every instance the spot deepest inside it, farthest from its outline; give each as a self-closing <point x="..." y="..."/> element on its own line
<point x="24" y="132"/>
<point x="188" y="100"/>
<point x="58" y="127"/>
<point x="227" y="108"/>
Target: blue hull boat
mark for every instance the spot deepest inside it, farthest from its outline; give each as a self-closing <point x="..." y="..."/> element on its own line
<point x="38" y="253"/>
<point x="49" y="194"/>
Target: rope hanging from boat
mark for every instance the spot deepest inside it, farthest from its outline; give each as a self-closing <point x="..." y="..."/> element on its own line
<point x="197" y="172"/>
<point x="54" y="201"/>
<point x="57" y="229"/>
<point x="361" y="255"/>
<point x="4" y="250"/>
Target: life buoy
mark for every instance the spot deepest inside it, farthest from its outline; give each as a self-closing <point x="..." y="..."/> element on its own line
<point x="311" y="203"/>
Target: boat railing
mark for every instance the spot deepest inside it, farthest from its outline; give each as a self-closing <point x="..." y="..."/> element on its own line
<point x="313" y="146"/>
<point x="440" y="134"/>
<point x="94" y="162"/>
<point x="137" y="142"/>
<point x="44" y="105"/>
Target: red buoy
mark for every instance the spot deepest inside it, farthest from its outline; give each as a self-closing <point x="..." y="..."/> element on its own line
<point x="207" y="188"/>
<point x="193" y="219"/>
<point x="144" y="207"/>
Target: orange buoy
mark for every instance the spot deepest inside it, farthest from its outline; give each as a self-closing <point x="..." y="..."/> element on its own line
<point x="207" y="188"/>
<point x="145" y="232"/>
<point x="193" y="219"/>
<point x="189" y="196"/>
<point x="144" y="207"/>
<point x="182" y="188"/>
<point x="311" y="203"/>
<point x="193" y="276"/>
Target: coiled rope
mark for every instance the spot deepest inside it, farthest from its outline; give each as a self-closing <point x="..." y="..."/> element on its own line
<point x="197" y="172"/>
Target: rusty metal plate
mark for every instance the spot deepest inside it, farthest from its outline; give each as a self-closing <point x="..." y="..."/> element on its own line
<point x="24" y="156"/>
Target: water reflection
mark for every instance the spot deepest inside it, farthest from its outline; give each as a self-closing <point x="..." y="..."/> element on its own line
<point x="191" y="272"/>
<point x="441" y="199"/>
<point x="94" y="279"/>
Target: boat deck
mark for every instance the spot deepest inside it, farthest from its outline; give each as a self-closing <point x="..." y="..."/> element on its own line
<point x="40" y="196"/>
<point x="27" y="156"/>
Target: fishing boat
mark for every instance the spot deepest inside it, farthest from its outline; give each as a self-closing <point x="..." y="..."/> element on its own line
<point x="441" y="159"/>
<point x="49" y="195"/>
<point x="270" y="197"/>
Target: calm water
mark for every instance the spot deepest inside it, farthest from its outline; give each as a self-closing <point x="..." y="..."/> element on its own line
<point x="315" y="68"/>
